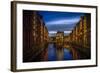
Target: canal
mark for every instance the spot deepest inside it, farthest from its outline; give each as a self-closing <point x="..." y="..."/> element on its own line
<point x="55" y="53"/>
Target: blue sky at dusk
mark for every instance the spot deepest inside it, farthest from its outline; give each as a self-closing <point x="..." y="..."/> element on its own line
<point x="60" y="21"/>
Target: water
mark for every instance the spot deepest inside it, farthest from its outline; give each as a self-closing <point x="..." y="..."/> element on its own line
<point x="56" y="54"/>
<point x="51" y="52"/>
<point x="67" y="54"/>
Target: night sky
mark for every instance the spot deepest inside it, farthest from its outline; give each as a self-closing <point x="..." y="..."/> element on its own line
<point x="60" y="21"/>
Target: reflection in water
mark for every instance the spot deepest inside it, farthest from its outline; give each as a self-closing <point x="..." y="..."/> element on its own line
<point x="51" y="52"/>
<point x="67" y="54"/>
<point x="55" y="53"/>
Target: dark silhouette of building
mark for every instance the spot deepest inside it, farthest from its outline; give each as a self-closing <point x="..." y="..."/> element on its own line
<point x="80" y="38"/>
<point x="35" y="36"/>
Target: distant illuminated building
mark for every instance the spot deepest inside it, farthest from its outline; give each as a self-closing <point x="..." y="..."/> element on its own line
<point x="59" y="38"/>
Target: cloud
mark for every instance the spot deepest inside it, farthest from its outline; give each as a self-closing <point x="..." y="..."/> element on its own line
<point x="53" y="33"/>
<point x="63" y="21"/>
<point x="67" y="32"/>
<point x="61" y="27"/>
<point x="50" y="32"/>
